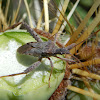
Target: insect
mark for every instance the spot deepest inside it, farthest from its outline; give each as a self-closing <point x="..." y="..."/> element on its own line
<point x="41" y="50"/>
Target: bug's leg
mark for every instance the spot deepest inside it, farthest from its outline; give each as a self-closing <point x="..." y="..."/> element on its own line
<point x="32" y="32"/>
<point x="76" y="58"/>
<point x="12" y="75"/>
<point x="79" y="62"/>
<point x="28" y="28"/>
<point x="32" y="67"/>
<point x="29" y="69"/>
<point x="12" y="27"/>
<point x="51" y="69"/>
<point x="68" y="60"/>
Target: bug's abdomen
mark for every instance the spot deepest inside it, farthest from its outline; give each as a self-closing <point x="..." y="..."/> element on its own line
<point x="28" y="50"/>
<point x="23" y="49"/>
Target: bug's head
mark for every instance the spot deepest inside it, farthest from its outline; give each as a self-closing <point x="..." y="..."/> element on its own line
<point x="23" y="49"/>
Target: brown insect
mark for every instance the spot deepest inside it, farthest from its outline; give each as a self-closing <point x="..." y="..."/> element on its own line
<point x="41" y="50"/>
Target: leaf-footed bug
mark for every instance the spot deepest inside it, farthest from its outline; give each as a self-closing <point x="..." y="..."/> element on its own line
<point x="41" y="50"/>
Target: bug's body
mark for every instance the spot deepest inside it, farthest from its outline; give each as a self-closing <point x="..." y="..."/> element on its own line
<point x="41" y="49"/>
<point x="38" y="49"/>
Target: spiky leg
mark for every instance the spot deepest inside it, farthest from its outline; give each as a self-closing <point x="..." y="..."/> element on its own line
<point x="79" y="62"/>
<point x="51" y="69"/>
<point x="28" y="28"/>
<point x="29" y="69"/>
<point x="32" y="32"/>
<point x="76" y="58"/>
<point x="12" y="27"/>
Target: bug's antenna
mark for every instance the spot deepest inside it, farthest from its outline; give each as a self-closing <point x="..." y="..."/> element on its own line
<point x="74" y="44"/>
